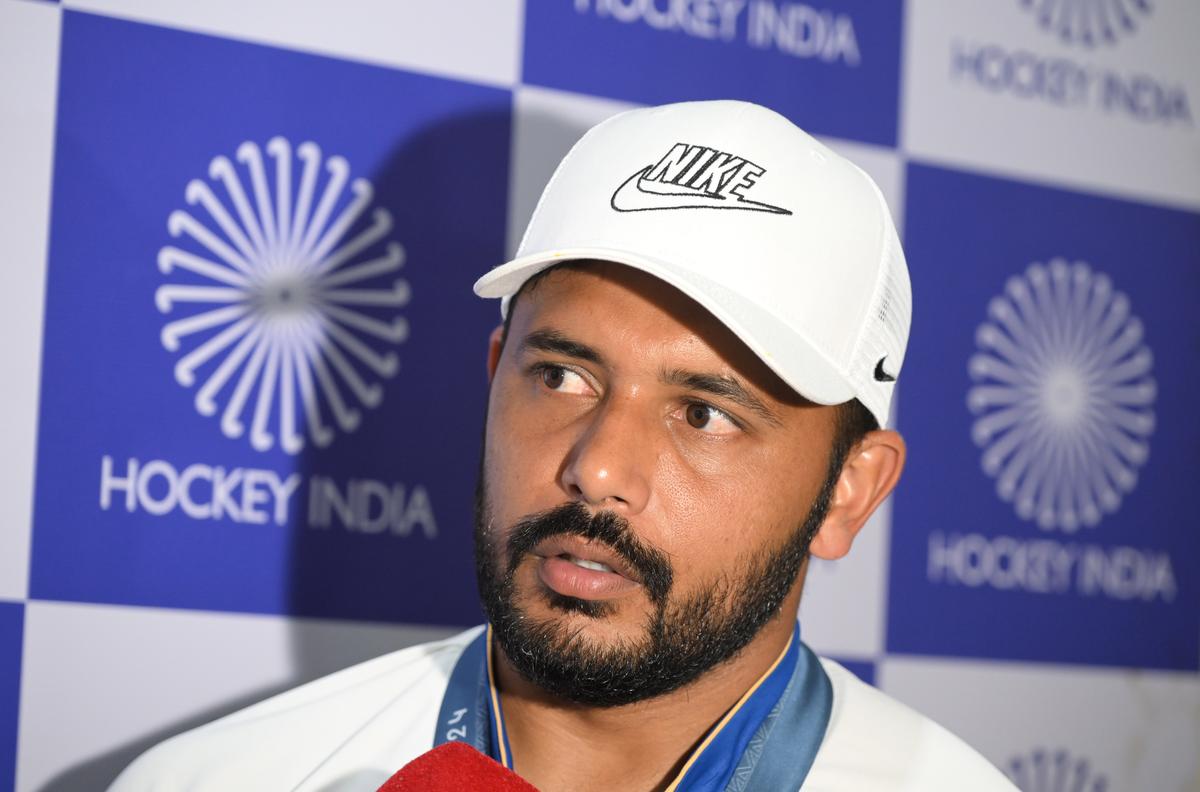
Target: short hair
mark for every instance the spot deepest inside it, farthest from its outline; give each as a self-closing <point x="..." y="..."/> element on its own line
<point x="852" y="421"/>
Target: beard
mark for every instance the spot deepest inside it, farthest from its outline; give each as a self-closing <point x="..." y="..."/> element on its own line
<point x="684" y="636"/>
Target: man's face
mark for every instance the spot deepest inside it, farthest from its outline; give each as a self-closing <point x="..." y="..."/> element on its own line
<point x="647" y="488"/>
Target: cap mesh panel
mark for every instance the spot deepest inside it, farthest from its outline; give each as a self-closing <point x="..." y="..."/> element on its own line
<point x="884" y="334"/>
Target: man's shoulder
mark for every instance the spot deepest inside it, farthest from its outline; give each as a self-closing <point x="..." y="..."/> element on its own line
<point x="873" y="742"/>
<point x="365" y="720"/>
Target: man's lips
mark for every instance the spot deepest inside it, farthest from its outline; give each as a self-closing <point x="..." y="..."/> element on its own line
<point x="576" y="567"/>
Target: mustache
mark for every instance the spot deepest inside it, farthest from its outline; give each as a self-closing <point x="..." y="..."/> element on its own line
<point x="609" y="528"/>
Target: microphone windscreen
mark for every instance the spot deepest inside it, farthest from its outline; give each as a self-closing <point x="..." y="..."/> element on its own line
<point x="455" y="766"/>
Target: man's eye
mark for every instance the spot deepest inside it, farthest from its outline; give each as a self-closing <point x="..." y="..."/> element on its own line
<point x="709" y="419"/>
<point x="557" y="378"/>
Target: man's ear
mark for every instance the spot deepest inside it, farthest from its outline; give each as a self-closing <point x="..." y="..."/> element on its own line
<point x="869" y="475"/>
<point x="493" y="358"/>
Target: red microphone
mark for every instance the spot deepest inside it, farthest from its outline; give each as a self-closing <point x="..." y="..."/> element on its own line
<point x="455" y="766"/>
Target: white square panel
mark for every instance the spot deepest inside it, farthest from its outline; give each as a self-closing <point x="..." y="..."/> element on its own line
<point x="102" y="684"/>
<point x="843" y="609"/>
<point x="29" y="36"/>
<point x="998" y="86"/>
<point x="477" y="40"/>
<point x="1063" y="728"/>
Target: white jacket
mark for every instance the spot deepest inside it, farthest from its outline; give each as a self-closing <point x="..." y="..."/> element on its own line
<point x="351" y="730"/>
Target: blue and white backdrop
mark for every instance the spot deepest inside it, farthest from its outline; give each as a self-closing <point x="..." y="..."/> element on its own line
<point x="220" y="478"/>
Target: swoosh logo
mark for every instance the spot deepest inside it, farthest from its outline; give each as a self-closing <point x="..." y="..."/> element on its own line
<point x="880" y="374"/>
<point x="638" y="195"/>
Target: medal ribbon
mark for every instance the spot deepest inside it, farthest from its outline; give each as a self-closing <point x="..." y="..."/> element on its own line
<point x="765" y="743"/>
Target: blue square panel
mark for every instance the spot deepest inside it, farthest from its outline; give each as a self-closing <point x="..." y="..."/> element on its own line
<point x="12" y="618"/>
<point x="863" y="669"/>
<point x="831" y="66"/>
<point x="1049" y="405"/>
<point x="263" y="381"/>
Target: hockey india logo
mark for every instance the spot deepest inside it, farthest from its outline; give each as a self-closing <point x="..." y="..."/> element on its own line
<point x="1054" y="771"/>
<point x="282" y="296"/>
<point x="1088" y="22"/>
<point x="1063" y="395"/>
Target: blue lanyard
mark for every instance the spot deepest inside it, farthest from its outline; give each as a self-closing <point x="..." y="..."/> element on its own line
<point x="767" y="741"/>
<point x="466" y="714"/>
<point x="783" y="748"/>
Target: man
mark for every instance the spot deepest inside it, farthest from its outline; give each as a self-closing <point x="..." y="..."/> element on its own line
<point x="702" y="333"/>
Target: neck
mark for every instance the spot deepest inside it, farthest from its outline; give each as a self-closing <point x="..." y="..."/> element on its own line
<point x="559" y="745"/>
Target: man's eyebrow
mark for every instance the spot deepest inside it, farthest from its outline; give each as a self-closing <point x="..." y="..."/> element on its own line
<point x="559" y="343"/>
<point x="726" y="387"/>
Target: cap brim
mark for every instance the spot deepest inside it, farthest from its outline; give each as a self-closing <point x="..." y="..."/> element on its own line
<point x="784" y="349"/>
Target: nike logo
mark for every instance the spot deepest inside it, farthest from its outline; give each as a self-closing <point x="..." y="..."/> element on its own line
<point x="692" y="177"/>
<point x="880" y="374"/>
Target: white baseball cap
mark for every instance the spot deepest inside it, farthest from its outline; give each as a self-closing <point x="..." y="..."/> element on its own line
<point x="788" y="244"/>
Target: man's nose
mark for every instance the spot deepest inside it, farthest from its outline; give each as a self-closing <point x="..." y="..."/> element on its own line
<point x="611" y="463"/>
